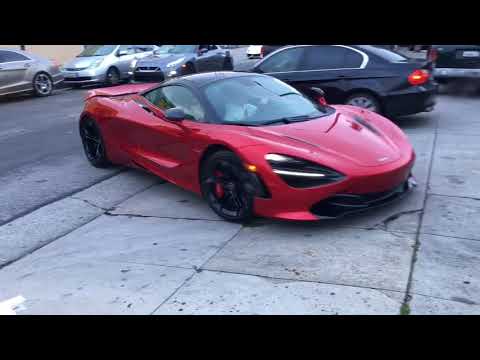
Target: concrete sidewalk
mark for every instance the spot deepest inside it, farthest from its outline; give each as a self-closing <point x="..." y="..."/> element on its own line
<point x="136" y="245"/>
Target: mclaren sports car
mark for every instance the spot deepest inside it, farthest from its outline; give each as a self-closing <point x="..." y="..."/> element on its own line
<point x="250" y="145"/>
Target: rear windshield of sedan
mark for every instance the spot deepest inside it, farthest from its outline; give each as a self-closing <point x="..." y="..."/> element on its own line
<point x="255" y="100"/>
<point x="97" y="50"/>
<point x="386" y="54"/>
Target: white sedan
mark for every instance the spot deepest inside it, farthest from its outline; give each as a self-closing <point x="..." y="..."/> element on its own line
<point x="254" y="51"/>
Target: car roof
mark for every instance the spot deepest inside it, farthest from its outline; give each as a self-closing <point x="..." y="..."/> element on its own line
<point x="203" y="79"/>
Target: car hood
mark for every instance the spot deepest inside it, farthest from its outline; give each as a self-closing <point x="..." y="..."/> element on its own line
<point x="82" y="62"/>
<point x="161" y="60"/>
<point x="337" y="136"/>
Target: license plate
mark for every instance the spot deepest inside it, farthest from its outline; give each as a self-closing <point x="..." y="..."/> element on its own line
<point x="471" y="54"/>
<point x="71" y="75"/>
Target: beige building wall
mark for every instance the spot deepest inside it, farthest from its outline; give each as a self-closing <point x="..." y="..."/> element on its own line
<point x="59" y="53"/>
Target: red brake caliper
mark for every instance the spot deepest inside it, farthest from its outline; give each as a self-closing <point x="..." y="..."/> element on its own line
<point x="218" y="185"/>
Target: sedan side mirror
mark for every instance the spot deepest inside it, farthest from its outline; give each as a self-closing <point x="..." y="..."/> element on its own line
<point x="122" y="52"/>
<point x="319" y="95"/>
<point x="202" y="51"/>
<point x="175" y="114"/>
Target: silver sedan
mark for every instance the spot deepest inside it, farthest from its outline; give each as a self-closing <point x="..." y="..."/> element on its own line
<point x="24" y="72"/>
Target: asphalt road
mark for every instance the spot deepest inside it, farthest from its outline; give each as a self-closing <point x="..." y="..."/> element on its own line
<point x="41" y="156"/>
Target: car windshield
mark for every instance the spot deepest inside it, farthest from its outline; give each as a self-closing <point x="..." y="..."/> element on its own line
<point x="259" y="100"/>
<point x="175" y="49"/>
<point x="97" y="50"/>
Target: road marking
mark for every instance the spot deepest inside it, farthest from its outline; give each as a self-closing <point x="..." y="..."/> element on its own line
<point x="9" y="307"/>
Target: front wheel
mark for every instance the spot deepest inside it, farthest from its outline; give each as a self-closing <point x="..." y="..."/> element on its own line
<point x="226" y="187"/>
<point x="112" y="77"/>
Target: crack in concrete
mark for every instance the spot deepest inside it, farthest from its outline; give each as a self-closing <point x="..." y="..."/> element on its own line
<point x="92" y="204"/>
<point x="108" y="213"/>
<point x="383" y="225"/>
<point x="455" y="196"/>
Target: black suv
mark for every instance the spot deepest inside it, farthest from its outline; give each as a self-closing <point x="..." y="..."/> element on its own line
<point x="455" y="62"/>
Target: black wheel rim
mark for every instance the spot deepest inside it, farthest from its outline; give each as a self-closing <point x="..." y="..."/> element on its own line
<point x="225" y="190"/>
<point x="92" y="141"/>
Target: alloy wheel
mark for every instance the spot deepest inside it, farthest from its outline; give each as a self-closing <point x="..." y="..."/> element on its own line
<point x="43" y="84"/>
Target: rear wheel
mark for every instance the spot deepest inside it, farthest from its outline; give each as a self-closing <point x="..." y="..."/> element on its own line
<point x="365" y="101"/>
<point x="42" y="84"/>
<point x="93" y="143"/>
<point x="226" y="187"/>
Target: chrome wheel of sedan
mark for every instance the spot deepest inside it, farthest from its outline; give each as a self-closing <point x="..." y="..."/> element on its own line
<point x="365" y="101"/>
<point x="42" y="85"/>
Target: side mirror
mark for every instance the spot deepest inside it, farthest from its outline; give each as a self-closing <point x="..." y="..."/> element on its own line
<point x="319" y="95"/>
<point x="122" y="53"/>
<point x="202" y="51"/>
<point x="175" y="114"/>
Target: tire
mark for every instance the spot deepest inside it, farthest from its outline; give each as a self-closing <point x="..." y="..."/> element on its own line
<point x="228" y="64"/>
<point x="93" y="144"/>
<point x="226" y="187"/>
<point x="112" y="77"/>
<point x="365" y="101"/>
<point x="42" y="84"/>
<point x="189" y="69"/>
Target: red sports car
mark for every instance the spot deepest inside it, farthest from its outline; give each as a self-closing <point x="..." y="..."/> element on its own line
<point x="250" y="144"/>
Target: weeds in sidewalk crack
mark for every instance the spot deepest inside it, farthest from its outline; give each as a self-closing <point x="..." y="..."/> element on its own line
<point x="383" y="225"/>
<point x="405" y="309"/>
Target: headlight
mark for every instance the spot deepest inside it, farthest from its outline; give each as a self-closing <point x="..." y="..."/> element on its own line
<point x="174" y="63"/>
<point x="301" y="173"/>
<point x="172" y="73"/>
<point x="96" y="63"/>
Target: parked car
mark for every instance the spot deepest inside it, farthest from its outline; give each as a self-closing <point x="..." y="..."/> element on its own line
<point x="251" y="145"/>
<point x="260" y="51"/>
<point x="108" y="64"/>
<point x="362" y="75"/>
<point x="173" y="60"/>
<point x="456" y="62"/>
<point x="25" y="72"/>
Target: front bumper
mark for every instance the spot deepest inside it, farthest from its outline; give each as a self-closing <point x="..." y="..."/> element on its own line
<point x="442" y="73"/>
<point x="87" y="76"/>
<point x="347" y="204"/>
<point x="369" y="187"/>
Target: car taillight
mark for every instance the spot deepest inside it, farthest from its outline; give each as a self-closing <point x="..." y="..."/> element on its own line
<point x="262" y="51"/>
<point x="418" y="77"/>
<point x="432" y="55"/>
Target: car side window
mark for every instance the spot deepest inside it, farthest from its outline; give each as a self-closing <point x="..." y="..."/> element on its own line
<point x="130" y="49"/>
<point x="324" y="58"/>
<point x="168" y="97"/>
<point x="8" y="56"/>
<point x="212" y="47"/>
<point x="286" y="60"/>
<point x="353" y="59"/>
<point x="143" y="48"/>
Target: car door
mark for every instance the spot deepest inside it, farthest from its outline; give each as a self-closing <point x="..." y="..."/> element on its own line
<point x="166" y="146"/>
<point x="13" y="70"/>
<point x="304" y="67"/>
<point x="205" y="60"/>
<point x="331" y="68"/>
<point x="216" y="58"/>
<point x="124" y="61"/>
